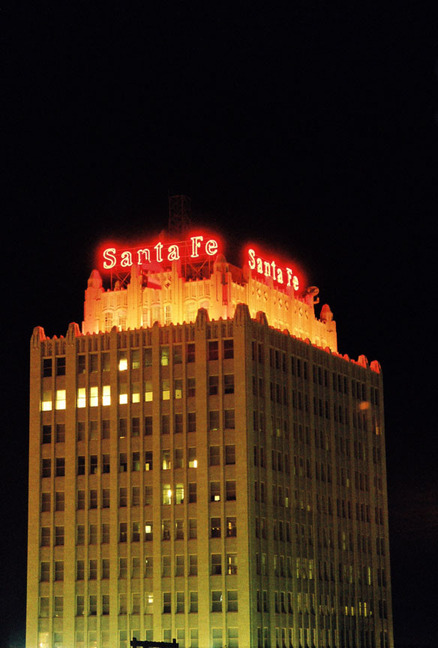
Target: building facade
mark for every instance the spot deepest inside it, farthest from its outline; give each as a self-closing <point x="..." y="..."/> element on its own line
<point x="205" y="469"/>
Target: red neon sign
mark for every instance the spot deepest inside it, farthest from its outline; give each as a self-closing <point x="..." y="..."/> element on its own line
<point x="153" y="255"/>
<point x="279" y="272"/>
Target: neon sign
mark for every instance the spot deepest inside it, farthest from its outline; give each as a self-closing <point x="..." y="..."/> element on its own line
<point x="193" y="249"/>
<point x="279" y="273"/>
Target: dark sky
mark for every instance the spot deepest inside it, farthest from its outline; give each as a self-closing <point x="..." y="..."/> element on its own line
<point x="312" y="128"/>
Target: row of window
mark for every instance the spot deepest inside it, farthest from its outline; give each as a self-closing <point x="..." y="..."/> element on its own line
<point x="132" y="360"/>
<point x="90" y="638"/>
<point x="168" y="461"/>
<point x="218" y="603"/>
<point x="134" y="532"/>
<point x="216" y="567"/>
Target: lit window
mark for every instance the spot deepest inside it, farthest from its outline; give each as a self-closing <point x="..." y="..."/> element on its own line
<point x="94" y="396"/>
<point x="106" y="395"/>
<point x="46" y="403"/>
<point x="164" y="356"/>
<point x="148" y="390"/>
<point x="123" y="361"/>
<point x="81" y="397"/>
<point x="135" y="393"/>
<point x="166" y="494"/>
<point x="179" y="494"/>
<point x="60" y="399"/>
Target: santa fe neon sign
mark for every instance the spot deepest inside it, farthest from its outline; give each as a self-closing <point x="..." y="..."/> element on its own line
<point x="279" y="273"/>
<point x="196" y="248"/>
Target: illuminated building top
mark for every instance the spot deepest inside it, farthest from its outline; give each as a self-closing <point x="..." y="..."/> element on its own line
<point x="167" y="282"/>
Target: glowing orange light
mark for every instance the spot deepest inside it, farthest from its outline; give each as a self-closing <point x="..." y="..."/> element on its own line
<point x="265" y="266"/>
<point x="151" y="256"/>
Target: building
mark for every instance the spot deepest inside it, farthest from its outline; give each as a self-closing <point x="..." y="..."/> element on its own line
<point x="204" y="464"/>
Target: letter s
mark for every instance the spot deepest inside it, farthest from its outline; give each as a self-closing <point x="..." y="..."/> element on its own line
<point x="251" y="262"/>
<point x="109" y="256"/>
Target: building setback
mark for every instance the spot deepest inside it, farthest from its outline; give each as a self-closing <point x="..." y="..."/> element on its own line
<point x="198" y="474"/>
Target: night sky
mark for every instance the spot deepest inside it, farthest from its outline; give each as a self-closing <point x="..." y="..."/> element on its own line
<point x="311" y="128"/>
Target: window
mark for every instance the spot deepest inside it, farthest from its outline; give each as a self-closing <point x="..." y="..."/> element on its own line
<point x="59" y="606"/>
<point x="93" y="465"/>
<point x="45" y="501"/>
<point x="165" y="530"/>
<point x="165" y="424"/>
<point x="167" y="606"/>
<point x="229" y="419"/>
<point x="148" y="567"/>
<point x="123" y="568"/>
<point x="231" y="527"/>
<point x="105" y="568"/>
<point x="135" y="537"/>
<point x="216" y="564"/>
<point x="93" y="499"/>
<point x="166" y="494"/>
<point x="92" y="572"/>
<point x="123" y="531"/>
<point x="166" y="462"/>
<point x="191" y="422"/>
<point x="191" y="387"/>
<point x="177" y="389"/>
<point x="60" y="433"/>
<point x="60" y="402"/>
<point x="148" y="532"/>
<point x="178" y="424"/>
<point x="231" y="564"/>
<point x="148" y="460"/>
<point x="122" y="361"/>
<point x="193" y="528"/>
<point x="230" y="454"/>
<point x="47" y="434"/>
<point x="179" y="493"/>
<point x="46" y="468"/>
<point x="213" y="350"/>
<point x="193" y="602"/>
<point x="214" y="455"/>
<point x="123" y="497"/>
<point x="232" y="601"/>
<point x="165" y="389"/>
<point x="213" y="385"/>
<point x="215" y="491"/>
<point x="193" y="565"/>
<point x="228" y="349"/>
<point x="215" y="527"/>
<point x="81" y="465"/>
<point x="105" y="604"/>
<point x="135" y="496"/>
<point x="106" y="395"/>
<point x="147" y="425"/>
<point x="44" y="572"/>
<point x="148" y="390"/>
<point x="216" y="601"/>
<point x="179" y="565"/>
<point x="105" y="498"/>
<point x="59" y="501"/>
<point x="47" y="367"/>
<point x="79" y="605"/>
<point x="135" y="466"/>
<point x="59" y="535"/>
<point x="165" y="566"/>
<point x="80" y="534"/>
<point x="179" y="529"/>
<point x="92" y="536"/>
<point x="59" y="570"/>
<point x="81" y="399"/>
<point x="230" y="487"/>
<point x="191" y="352"/>
<point x="179" y="602"/>
<point x="213" y="420"/>
<point x="229" y="383"/>
<point x="233" y="637"/>
<point x="192" y="461"/>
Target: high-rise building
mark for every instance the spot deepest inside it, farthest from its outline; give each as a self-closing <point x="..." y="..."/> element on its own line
<point x="204" y="464"/>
